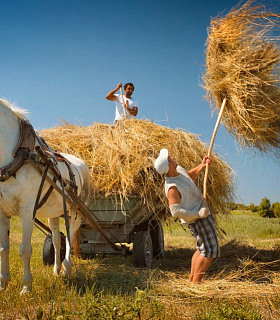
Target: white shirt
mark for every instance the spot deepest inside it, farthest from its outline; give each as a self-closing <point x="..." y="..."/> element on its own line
<point x="191" y="196"/>
<point x="121" y="112"/>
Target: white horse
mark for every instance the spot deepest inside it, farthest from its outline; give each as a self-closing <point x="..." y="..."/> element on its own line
<point x="18" y="195"/>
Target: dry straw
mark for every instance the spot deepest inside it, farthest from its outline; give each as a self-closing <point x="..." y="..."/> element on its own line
<point x="121" y="159"/>
<point x="242" y="65"/>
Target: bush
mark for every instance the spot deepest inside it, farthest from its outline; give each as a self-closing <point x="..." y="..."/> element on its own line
<point x="253" y="208"/>
<point x="236" y="206"/>
<point x="241" y="206"/>
<point x="276" y="209"/>
<point x="232" y="206"/>
<point x="265" y="209"/>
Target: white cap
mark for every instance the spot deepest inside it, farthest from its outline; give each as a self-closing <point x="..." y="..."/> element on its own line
<point x="161" y="163"/>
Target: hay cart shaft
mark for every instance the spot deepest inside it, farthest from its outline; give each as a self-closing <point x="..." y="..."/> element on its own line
<point x="74" y="201"/>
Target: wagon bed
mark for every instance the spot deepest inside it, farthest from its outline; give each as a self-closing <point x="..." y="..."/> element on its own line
<point x="122" y="223"/>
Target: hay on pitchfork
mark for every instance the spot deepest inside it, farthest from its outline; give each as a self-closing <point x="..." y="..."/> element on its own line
<point x="242" y="65"/>
<point x="121" y="159"/>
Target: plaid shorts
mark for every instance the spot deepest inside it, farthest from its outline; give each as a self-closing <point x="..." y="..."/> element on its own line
<point x="204" y="232"/>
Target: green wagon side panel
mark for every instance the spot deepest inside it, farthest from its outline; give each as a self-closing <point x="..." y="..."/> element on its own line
<point x="112" y="211"/>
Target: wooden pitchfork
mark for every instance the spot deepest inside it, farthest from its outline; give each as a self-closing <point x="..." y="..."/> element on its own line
<point x="124" y="111"/>
<point x="210" y="150"/>
<point x="122" y="100"/>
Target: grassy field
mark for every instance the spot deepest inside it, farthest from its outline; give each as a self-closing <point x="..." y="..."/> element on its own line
<point x="243" y="284"/>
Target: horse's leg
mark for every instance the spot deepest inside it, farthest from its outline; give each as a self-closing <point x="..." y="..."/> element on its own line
<point x="56" y="240"/>
<point x="5" y="276"/>
<point x="74" y="226"/>
<point x="26" y="250"/>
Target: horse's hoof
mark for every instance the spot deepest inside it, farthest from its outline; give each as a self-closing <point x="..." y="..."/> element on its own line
<point x="56" y="271"/>
<point x="65" y="272"/>
<point x="25" y="290"/>
<point x="66" y="268"/>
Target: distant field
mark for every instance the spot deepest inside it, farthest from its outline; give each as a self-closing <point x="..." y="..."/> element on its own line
<point x="243" y="284"/>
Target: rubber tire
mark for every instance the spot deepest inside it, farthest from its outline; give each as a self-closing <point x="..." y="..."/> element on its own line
<point x="48" y="251"/>
<point x="158" y="239"/>
<point x="142" y="249"/>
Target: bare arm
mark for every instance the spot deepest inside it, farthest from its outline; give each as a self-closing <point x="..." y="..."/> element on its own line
<point x="174" y="196"/>
<point x="133" y="111"/>
<point x="111" y="95"/>
<point x="195" y="172"/>
<point x="174" y="200"/>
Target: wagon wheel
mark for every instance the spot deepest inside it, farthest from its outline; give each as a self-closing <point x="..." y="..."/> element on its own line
<point x="158" y="239"/>
<point x="142" y="249"/>
<point x="48" y="250"/>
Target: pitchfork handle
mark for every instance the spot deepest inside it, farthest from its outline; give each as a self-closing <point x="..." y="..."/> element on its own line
<point x="210" y="150"/>
<point x="122" y="100"/>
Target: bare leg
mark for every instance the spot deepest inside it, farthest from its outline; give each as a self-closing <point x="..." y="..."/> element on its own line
<point x="26" y="251"/>
<point x="5" y="276"/>
<point x="194" y="258"/>
<point x="200" y="267"/>
<point x="56" y="240"/>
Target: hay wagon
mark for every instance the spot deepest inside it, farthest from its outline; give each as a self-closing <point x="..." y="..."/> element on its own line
<point x="112" y="227"/>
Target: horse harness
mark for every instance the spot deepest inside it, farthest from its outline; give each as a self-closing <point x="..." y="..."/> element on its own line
<point x="25" y="152"/>
<point x="21" y="153"/>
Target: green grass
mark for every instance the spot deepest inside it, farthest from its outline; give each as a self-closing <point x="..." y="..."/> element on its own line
<point x="226" y="309"/>
<point x="243" y="284"/>
<point x="250" y="228"/>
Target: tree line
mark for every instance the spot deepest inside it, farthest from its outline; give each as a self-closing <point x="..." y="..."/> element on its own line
<point x="265" y="209"/>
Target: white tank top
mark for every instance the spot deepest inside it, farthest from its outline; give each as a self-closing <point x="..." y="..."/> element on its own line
<point x="191" y="196"/>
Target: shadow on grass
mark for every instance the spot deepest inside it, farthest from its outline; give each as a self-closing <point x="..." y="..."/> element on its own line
<point x="233" y="252"/>
<point x="117" y="275"/>
<point x="112" y="274"/>
<point x="246" y="262"/>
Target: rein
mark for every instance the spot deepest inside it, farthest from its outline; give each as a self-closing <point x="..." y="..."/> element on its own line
<point x="50" y="161"/>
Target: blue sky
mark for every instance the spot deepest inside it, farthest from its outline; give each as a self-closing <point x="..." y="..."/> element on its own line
<point x="60" y="58"/>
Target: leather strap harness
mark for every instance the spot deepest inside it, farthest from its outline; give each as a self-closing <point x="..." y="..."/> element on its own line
<point x="25" y="152"/>
<point x="21" y="153"/>
<point x="44" y="159"/>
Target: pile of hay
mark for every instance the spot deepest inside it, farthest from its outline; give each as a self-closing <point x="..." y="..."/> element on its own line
<point x="121" y="159"/>
<point x="242" y="65"/>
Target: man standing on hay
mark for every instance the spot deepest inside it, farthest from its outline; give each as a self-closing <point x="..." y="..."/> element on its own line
<point x="186" y="203"/>
<point x="126" y="106"/>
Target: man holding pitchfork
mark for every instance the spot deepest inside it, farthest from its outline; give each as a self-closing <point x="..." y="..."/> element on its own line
<point x="126" y="106"/>
<point x="186" y="203"/>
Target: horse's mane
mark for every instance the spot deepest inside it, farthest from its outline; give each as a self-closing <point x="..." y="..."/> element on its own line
<point x="19" y="112"/>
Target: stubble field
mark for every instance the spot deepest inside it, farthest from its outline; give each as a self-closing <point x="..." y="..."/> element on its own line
<point x="243" y="284"/>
